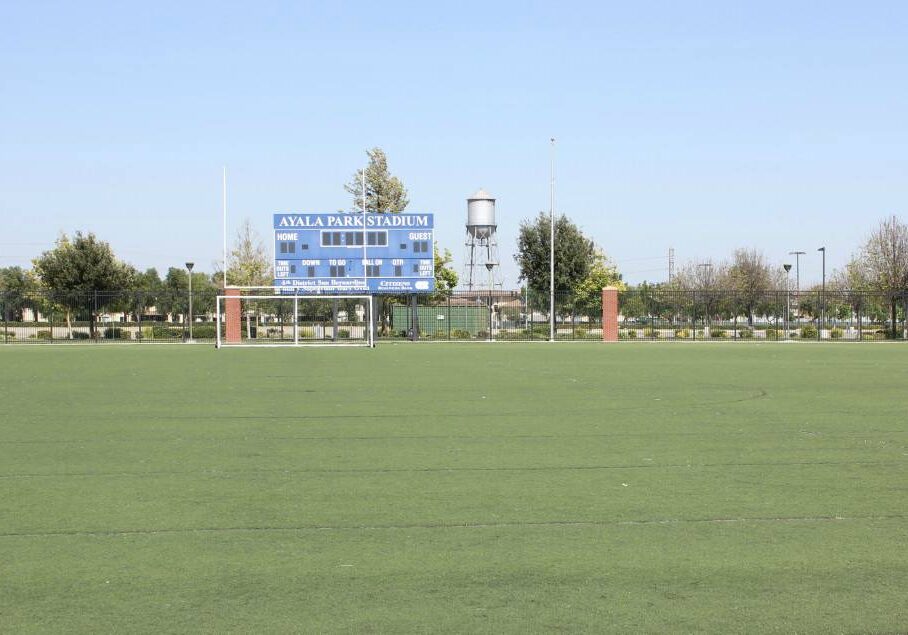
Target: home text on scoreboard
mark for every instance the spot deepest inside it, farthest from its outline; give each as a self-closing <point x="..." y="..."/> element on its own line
<point x="337" y="253"/>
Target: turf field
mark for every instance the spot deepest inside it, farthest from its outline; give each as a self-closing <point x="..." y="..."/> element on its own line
<point x="470" y="488"/>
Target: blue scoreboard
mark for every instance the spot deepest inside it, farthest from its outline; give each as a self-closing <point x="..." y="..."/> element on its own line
<point x="336" y="253"/>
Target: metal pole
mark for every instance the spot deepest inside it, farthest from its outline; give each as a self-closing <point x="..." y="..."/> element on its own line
<point x="217" y="316"/>
<point x="552" y="250"/>
<point x="189" y="266"/>
<point x="224" y="202"/>
<point x="296" y="319"/>
<point x="823" y="306"/>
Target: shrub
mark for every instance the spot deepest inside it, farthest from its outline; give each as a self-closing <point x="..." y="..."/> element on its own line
<point x="43" y="335"/>
<point x="748" y="334"/>
<point x="631" y="334"/>
<point x="9" y="335"/>
<point x="773" y="334"/>
<point x="460" y="334"/>
<point x="581" y="333"/>
<point x="115" y="333"/>
<point x="81" y="335"/>
<point x="809" y="331"/>
<point x="209" y="331"/>
<point x="650" y="332"/>
<point x="161" y="332"/>
<point x="307" y="331"/>
<point x="718" y="334"/>
<point x="343" y="334"/>
<point x="836" y="333"/>
<point x="483" y="335"/>
<point x="682" y="334"/>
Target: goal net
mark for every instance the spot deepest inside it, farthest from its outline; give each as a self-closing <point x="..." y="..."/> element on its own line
<point x="294" y="320"/>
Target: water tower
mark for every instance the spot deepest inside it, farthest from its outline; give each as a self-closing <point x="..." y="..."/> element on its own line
<point x="482" y="242"/>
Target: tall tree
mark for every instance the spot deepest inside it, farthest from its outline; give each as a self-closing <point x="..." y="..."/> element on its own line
<point x="16" y="287"/>
<point x="445" y="276"/>
<point x="588" y="292"/>
<point x="750" y="276"/>
<point x="173" y="296"/>
<point x="886" y="253"/>
<point x="250" y="263"/>
<point x="708" y="281"/>
<point x="574" y="254"/>
<point x="385" y="193"/>
<point x="82" y="273"/>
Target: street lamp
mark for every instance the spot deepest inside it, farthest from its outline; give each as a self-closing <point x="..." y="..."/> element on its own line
<point x="787" y="268"/>
<point x="707" y="283"/>
<point x="797" y="255"/>
<point x="823" y="309"/>
<point x="189" y="266"/>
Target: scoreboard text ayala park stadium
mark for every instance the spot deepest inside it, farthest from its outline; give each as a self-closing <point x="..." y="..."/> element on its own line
<point x="330" y="253"/>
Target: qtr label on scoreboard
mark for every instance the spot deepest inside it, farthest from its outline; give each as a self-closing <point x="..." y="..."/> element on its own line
<point x="338" y="252"/>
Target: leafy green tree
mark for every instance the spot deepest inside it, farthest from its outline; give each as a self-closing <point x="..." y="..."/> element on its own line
<point x="588" y="292"/>
<point x="445" y="276"/>
<point x="82" y="272"/>
<point x="574" y="255"/>
<point x="173" y="295"/>
<point x="16" y="288"/>
<point x="385" y="193"/>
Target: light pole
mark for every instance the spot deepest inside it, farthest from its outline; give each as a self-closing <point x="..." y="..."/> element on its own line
<point x="707" y="283"/>
<point x="552" y="249"/>
<point x="189" y="266"/>
<point x="823" y="309"/>
<point x="787" y="268"/>
<point x="797" y="255"/>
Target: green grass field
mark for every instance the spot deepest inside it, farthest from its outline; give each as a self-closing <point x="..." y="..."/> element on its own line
<point x="469" y="488"/>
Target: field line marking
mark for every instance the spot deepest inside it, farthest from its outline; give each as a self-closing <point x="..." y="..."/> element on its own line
<point x="394" y="470"/>
<point x="454" y="525"/>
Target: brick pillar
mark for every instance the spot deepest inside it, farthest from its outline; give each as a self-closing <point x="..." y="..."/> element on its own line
<point x="610" y="314"/>
<point x="232" y="309"/>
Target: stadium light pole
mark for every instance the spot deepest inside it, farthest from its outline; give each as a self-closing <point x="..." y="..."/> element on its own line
<point x="552" y="248"/>
<point x="189" y="266"/>
<point x="823" y="309"/>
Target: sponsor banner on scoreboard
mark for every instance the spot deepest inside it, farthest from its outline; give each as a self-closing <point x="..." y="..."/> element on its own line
<point x="345" y="253"/>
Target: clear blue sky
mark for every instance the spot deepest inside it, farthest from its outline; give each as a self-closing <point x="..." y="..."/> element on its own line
<point x="702" y="126"/>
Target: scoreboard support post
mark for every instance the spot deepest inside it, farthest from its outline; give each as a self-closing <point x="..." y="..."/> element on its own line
<point x="414" y="318"/>
<point x="296" y="319"/>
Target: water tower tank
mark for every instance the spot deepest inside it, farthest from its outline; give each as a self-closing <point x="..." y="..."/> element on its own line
<point x="481" y="214"/>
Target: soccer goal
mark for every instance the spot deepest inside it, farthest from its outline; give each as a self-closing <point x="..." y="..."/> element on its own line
<point x="294" y="320"/>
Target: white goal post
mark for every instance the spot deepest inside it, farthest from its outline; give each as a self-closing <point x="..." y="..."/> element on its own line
<point x="273" y="319"/>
